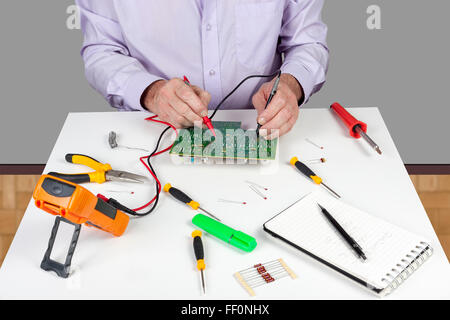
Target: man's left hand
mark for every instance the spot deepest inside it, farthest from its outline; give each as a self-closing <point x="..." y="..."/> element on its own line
<point x="282" y="112"/>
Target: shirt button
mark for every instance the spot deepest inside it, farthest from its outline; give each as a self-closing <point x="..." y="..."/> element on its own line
<point x="208" y="27"/>
<point x="212" y="72"/>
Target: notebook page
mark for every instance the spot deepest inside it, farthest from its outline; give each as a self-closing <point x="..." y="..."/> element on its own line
<point x="386" y="246"/>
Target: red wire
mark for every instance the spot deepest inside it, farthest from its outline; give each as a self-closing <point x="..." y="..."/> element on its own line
<point x="152" y="118"/>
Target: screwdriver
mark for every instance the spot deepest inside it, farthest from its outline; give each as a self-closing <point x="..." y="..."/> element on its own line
<point x="357" y="128"/>
<point x="183" y="197"/>
<point x="199" y="254"/>
<point x="310" y="174"/>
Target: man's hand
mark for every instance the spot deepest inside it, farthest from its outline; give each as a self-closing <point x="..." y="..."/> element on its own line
<point x="176" y="102"/>
<point x="282" y="112"/>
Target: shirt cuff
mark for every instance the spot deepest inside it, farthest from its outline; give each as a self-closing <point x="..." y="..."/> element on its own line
<point x="136" y="86"/>
<point x="303" y="77"/>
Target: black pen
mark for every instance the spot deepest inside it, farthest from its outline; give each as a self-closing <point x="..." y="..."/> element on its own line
<point x="353" y="244"/>
<point x="272" y="94"/>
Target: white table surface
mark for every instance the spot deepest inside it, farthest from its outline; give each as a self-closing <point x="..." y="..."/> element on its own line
<point x="154" y="258"/>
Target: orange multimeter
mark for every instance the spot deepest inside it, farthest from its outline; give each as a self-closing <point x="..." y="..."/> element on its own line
<point x="78" y="205"/>
<point x="74" y="205"/>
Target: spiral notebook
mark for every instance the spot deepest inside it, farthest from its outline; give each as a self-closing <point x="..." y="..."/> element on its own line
<point x="393" y="253"/>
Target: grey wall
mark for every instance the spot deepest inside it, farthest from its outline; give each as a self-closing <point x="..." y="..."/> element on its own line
<point x="401" y="69"/>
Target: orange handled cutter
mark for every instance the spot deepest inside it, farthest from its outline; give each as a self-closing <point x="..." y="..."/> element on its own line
<point x="75" y="205"/>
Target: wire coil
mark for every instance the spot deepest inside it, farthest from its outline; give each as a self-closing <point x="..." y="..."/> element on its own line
<point x="407" y="266"/>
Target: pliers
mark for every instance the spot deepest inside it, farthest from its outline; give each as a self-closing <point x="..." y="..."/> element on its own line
<point x="102" y="173"/>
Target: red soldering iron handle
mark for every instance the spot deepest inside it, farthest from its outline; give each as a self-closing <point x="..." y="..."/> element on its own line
<point x="349" y="120"/>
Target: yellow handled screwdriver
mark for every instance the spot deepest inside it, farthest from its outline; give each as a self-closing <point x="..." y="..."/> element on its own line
<point x="311" y="175"/>
<point x="183" y="197"/>
<point x="199" y="254"/>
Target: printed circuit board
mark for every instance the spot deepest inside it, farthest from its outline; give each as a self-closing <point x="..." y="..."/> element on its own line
<point x="231" y="142"/>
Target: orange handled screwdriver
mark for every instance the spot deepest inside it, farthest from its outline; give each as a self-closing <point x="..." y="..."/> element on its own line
<point x="199" y="254"/>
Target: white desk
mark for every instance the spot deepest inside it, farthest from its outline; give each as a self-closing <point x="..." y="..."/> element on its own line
<point x="154" y="259"/>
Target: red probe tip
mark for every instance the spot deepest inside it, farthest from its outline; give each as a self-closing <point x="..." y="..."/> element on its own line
<point x="208" y="123"/>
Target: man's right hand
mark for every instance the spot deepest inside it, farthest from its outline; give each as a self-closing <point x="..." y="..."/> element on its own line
<point x="176" y="102"/>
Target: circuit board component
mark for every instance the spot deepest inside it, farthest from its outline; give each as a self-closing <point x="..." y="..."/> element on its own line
<point x="231" y="143"/>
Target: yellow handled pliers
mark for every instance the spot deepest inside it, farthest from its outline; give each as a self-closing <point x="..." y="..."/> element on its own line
<point x="102" y="173"/>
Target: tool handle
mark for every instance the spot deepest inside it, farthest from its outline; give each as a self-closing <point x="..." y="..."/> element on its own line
<point x="87" y="161"/>
<point x="181" y="196"/>
<point x="350" y="121"/>
<point x="305" y="170"/>
<point x="97" y="176"/>
<point x="198" y="249"/>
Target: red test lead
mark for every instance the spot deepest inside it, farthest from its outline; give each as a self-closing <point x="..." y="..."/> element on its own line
<point x="206" y="120"/>
<point x="357" y="128"/>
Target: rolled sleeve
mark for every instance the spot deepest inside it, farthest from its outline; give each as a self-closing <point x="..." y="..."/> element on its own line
<point x="135" y="86"/>
<point x="303" y="76"/>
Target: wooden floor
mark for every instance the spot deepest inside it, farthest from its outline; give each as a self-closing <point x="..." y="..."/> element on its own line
<point x="15" y="193"/>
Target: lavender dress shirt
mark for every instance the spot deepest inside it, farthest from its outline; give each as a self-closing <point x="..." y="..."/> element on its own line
<point x="129" y="44"/>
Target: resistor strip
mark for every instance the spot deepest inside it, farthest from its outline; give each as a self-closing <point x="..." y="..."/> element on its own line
<point x="263" y="273"/>
<point x="267" y="265"/>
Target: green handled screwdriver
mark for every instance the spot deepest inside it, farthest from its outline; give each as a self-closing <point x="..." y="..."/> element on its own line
<point x="199" y="254"/>
<point x="183" y="197"/>
<point x="311" y="175"/>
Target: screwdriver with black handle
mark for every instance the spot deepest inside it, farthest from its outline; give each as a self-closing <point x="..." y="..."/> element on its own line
<point x="183" y="197"/>
<point x="311" y="175"/>
<point x="199" y="255"/>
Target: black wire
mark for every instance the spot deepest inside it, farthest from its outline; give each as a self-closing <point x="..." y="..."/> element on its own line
<point x="278" y="72"/>
<point x="154" y="172"/>
<point x="120" y="206"/>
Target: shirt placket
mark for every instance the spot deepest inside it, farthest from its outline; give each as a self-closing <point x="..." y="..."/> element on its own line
<point x="210" y="49"/>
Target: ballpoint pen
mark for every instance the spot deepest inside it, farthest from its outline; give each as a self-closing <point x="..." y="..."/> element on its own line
<point x="353" y="244"/>
<point x="272" y="94"/>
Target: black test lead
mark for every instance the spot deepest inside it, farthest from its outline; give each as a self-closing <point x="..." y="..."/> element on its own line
<point x="272" y="94"/>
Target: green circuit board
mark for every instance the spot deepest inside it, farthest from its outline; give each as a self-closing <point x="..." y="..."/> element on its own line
<point x="231" y="142"/>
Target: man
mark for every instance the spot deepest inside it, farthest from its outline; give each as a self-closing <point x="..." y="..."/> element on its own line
<point x="137" y="51"/>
